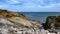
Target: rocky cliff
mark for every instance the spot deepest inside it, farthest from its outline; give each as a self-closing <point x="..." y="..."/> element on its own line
<point x="14" y="23"/>
<point x="53" y="23"/>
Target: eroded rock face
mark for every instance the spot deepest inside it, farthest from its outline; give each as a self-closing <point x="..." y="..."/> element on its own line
<point x="13" y="23"/>
<point x="14" y="17"/>
<point x="53" y="23"/>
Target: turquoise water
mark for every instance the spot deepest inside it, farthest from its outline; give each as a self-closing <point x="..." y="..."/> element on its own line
<point x="40" y="16"/>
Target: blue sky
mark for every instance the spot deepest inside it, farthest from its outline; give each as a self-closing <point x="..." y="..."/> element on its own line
<point x="30" y="5"/>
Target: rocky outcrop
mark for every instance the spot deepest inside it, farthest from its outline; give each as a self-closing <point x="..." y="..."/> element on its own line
<point x="14" y="23"/>
<point x="53" y="23"/>
<point x="14" y="17"/>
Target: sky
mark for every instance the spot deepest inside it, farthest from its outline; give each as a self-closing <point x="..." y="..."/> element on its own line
<point x="30" y="5"/>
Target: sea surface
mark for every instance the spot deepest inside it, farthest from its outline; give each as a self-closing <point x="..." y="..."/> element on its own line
<point x="39" y="16"/>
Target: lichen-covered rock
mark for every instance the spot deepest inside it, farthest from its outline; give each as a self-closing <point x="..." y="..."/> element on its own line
<point x="14" y="23"/>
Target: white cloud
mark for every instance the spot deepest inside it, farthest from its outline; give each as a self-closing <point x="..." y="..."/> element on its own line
<point x="29" y="5"/>
<point x="15" y="1"/>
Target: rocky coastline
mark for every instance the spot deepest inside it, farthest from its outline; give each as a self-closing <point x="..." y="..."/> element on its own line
<point x="14" y="23"/>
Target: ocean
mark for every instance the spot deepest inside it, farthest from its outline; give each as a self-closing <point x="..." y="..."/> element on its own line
<point x="39" y="16"/>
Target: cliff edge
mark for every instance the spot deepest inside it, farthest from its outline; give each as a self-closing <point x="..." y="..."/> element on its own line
<point x="14" y="23"/>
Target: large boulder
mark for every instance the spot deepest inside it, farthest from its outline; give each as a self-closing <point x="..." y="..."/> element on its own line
<point x="53" y="23"/>
<point x="14" y="23"/>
